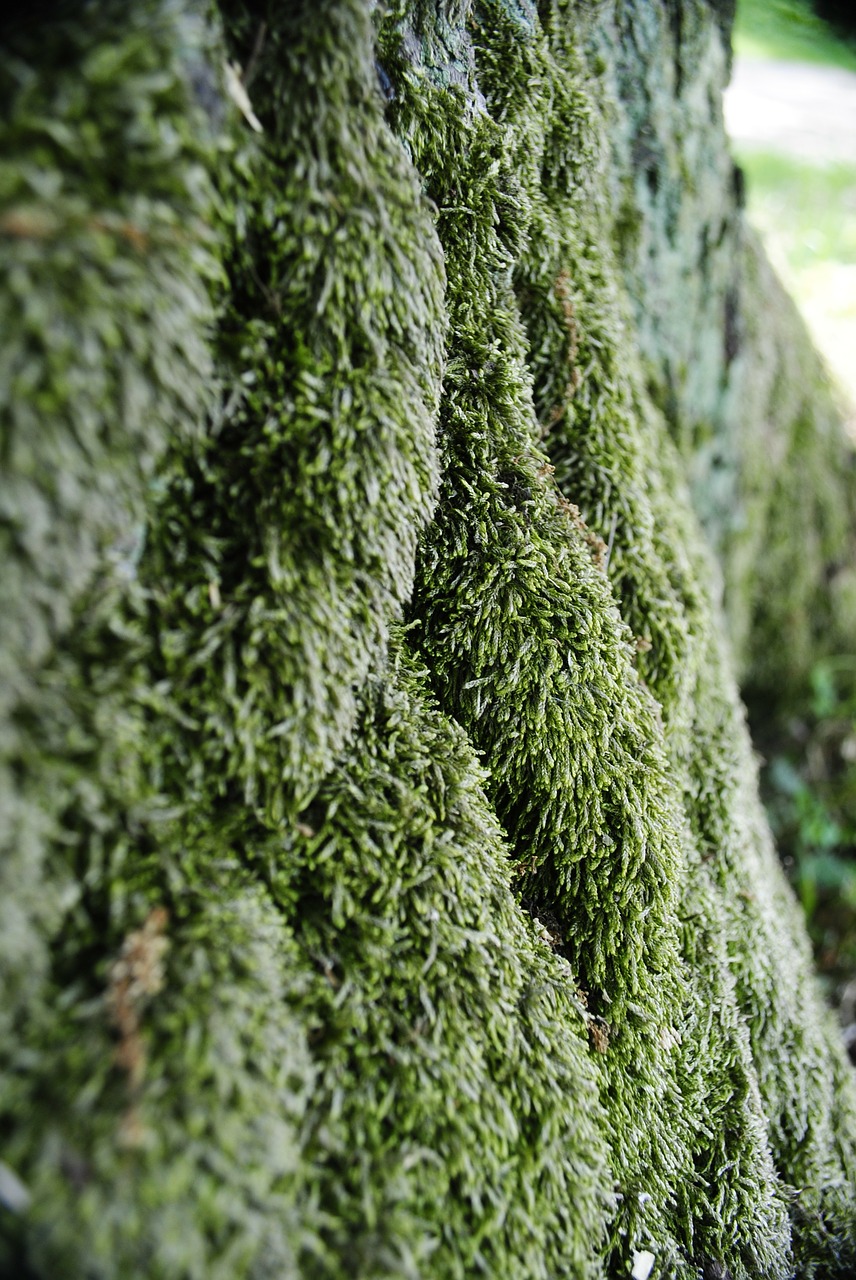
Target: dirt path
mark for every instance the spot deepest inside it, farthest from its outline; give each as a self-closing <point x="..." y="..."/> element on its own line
<point x="807" y="110"/>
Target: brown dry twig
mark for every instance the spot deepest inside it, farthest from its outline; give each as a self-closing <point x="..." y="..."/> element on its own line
<point x="30" y="222"/>
<point x="135" y="976"/>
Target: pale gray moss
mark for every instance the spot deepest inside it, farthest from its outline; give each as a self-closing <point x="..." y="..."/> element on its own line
<point x="725" y="354"/>
<point x="105" y="194"/>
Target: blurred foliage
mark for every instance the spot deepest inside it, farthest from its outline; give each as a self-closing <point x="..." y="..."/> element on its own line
<point x="810" y="786"/>
<point x="805" y="208"/>
<point x="840" y="13"/>
<point x="812" y="208"/>
<point x="791" y="30"/>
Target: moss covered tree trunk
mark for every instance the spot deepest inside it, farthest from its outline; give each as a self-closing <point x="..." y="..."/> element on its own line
<point x="385" y="888"/>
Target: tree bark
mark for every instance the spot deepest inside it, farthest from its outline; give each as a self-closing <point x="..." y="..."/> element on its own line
<point x="386" y="890"/>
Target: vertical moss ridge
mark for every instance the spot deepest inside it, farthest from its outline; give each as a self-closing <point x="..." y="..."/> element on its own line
<point x="106" y="256"/>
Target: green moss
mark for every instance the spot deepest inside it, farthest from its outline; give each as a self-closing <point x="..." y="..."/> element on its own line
<point x="552" y="772"/>
<point x="296" y="521"/>
<point x="106" y="257"/>
<point x="179" y="1156"/>
<point x="319" y="993"/>
<point x="114" y="1085"/>
<point x="450" y="1042"/>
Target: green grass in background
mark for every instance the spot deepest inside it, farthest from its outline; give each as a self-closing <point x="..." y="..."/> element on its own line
<point x="805" y="211"/>
<point x="790" y="30"/>
<point x="811" y="206"/>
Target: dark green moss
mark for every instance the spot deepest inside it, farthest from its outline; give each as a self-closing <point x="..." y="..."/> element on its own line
<point x="450" y="1044"/>
<point x="296" y="521"/>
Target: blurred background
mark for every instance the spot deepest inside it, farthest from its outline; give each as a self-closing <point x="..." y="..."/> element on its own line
<point x="791" y="113"/>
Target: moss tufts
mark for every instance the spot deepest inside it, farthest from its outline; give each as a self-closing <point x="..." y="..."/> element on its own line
<point x="107" y="254"/>
<point x="387" y="890"/>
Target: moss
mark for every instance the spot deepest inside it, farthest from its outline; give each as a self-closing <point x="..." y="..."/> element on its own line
<point x="803" y="516"/>
<point x="564" y="765"/>
<point x="725" y="353"/>
<point x="658" y="585"/>
<point x="173" y="1151"/>
<point x="118" y="1060"/>
<point x="296" y="521"/>
<point x="408" y="905"/>
<point x="106" y="253"/>
<point x="450" y="1043"/>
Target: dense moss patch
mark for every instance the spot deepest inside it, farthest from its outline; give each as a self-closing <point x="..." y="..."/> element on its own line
<point x="105" y="198"/>
<point x="388" y="890"/>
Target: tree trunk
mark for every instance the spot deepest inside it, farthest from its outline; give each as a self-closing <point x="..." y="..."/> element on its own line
<point x="386" y="891"/>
